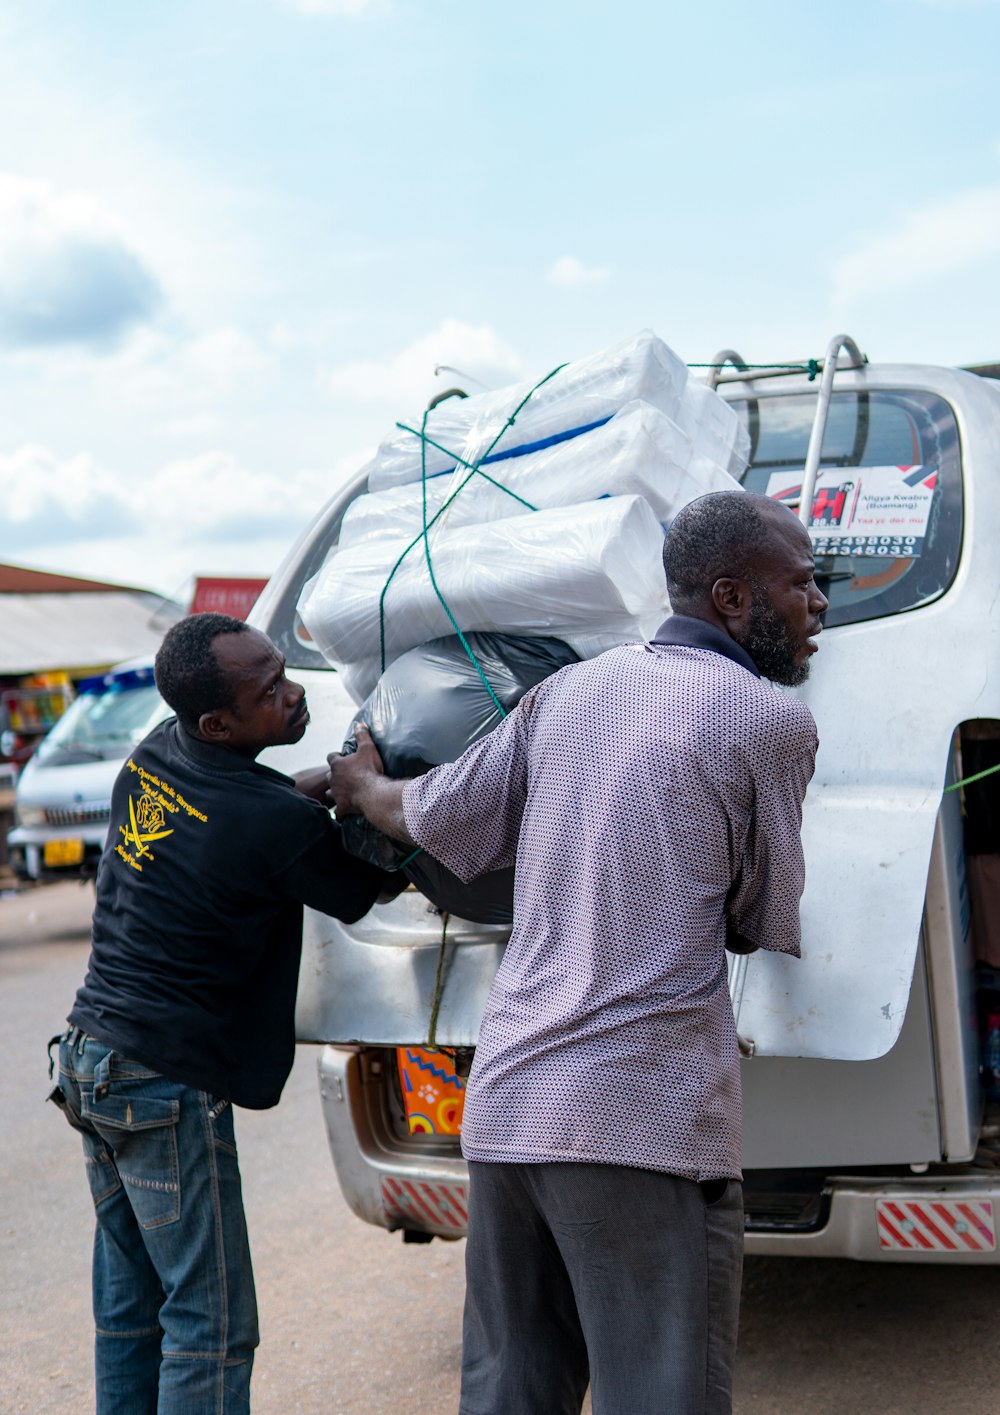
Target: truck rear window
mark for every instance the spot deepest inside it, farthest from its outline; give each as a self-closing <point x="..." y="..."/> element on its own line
<point x="887" y="513"/>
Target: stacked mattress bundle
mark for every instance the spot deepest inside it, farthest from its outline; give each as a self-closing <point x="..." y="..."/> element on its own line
<point x="558" y="533"/>
<point x="531" y="519"/>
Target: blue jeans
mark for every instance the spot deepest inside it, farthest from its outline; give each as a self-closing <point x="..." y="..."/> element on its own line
<point x="174" y="1302"/>
<point x="627" y="1277"/>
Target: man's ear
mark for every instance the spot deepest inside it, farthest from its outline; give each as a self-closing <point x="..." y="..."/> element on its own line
<point x="214" y="727"/>
<point x="731" y="598"/>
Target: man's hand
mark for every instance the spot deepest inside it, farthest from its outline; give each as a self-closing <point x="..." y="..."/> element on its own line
<point x="359" y="786"/>
<point x="314" y="782"/>
<point x="350" y="773"/>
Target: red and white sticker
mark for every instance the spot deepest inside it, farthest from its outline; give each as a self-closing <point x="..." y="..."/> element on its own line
<point x="936" y="1225"/>
<point x="437" y="1208"/>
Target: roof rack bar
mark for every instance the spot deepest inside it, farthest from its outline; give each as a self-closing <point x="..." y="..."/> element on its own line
<point x="743" y="373"/>
<point x="838" y="342"/>
<point x="737" y="963"/>
<point x="723" y="357"/>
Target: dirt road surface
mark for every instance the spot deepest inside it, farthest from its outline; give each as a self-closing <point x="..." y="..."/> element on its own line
<point x="354" y="1322"/>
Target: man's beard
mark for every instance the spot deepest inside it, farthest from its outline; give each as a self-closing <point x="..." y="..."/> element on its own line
<point x="770" y="645"/>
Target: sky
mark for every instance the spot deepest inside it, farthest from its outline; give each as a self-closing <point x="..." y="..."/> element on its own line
<point x="237" y="237"/>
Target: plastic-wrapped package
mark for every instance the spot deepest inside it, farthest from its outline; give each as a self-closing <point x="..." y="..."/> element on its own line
<point x="585" y="393"/>
<point x="714" y="428"/>
<point x="576" y="573"/>
<point x="427" y="708"/>
<point x="640" y="452"/>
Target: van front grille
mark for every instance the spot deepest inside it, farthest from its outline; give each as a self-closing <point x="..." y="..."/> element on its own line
<point x="78" y="815"/>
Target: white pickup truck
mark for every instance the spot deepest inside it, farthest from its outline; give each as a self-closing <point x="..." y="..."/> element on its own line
<point x="864" y="1094"/>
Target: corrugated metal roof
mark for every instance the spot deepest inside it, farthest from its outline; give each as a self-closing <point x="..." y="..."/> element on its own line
<point x="40" y="632"/>
<point x="17" y="579"/>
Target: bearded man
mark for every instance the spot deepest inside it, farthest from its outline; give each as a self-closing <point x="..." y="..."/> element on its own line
<point x="650" y="801"/>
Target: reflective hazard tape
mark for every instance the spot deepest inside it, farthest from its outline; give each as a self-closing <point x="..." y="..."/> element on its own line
<point x="436" y="1207"/>
<point x="936" y="1225"/>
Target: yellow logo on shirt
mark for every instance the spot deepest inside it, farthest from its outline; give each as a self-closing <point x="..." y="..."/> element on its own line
<point x="147" y="817"/>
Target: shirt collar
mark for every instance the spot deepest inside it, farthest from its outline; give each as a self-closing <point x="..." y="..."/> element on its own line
<point x="215" y="755"/>
<point x="685" y="631"/>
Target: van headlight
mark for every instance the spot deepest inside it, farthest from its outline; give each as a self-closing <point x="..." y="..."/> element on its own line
<point x="30" y="815"/>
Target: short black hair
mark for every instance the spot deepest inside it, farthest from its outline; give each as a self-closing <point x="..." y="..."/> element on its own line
<point x="718" y="536"/>
<point x="187" y="672"/>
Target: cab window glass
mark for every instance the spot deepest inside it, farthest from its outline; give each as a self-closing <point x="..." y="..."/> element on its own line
<point x="887" y="513"/>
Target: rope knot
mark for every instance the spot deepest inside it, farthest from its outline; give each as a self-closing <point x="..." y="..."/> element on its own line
<point x="812" y="368"/>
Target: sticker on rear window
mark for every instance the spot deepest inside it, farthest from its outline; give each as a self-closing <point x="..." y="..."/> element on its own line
<point x="870" y="511"/>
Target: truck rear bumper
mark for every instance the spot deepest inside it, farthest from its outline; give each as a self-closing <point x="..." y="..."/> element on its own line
<point x="950" y="1218"/>
<point x="415" y="1183"/>
<point x="420" y="1184"/>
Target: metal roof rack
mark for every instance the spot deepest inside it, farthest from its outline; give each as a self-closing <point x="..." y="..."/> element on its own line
<point x="743" y="372"/>
<point x="827" y="367"/>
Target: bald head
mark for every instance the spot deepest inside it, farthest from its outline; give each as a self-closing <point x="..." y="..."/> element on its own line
<point x="725" y="535"/>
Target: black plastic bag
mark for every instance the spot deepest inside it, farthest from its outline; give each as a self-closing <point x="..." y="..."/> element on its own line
<point x="427" y="708"/>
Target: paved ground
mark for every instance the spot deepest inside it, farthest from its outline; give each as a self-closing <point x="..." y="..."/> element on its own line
<point x="356" y="1323"/>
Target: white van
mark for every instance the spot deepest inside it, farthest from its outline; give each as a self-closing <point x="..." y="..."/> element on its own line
<point x="863" y="1090"/>
<point x="63" y="800"/>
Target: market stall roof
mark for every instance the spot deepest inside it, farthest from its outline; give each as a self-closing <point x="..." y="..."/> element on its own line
<point x="52" y="621"/>
<point x="17" y="579"/>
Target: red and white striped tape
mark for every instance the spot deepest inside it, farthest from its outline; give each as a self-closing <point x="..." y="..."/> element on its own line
<point x="437" y="1208"/>
<point x="936" y="1225"/>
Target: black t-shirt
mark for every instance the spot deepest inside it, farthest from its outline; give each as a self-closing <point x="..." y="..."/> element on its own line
<point x="197" y="933"/>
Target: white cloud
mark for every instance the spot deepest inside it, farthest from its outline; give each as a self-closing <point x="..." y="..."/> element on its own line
<point x="68" y="497"/>
<point x="188" y="516"/>
<point x="67" y="273"/>
<point x="930" y="242"/>
<point x="350" y="9"/>
<point x="178" y="378"/>
<point x="953" y="4"/>
<point x="407" y="378"/>
<point x="202" y="427"/>
<point x="213" y="494"/>
<point x="570" y="272"/>
<point x="225" y="357"/>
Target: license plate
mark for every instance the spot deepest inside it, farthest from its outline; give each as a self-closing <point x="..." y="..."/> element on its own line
<point x="63" y="852"/>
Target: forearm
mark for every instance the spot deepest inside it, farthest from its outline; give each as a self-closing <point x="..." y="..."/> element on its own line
<point x="380" y="800"/>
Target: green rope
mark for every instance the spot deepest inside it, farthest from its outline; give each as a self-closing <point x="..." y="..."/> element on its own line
<point x="418" y="538"/>
<point x="405" y="427"/>
<point x="811" y="367"/>
<point x="474" y="471"/>
<point x="968" y="780"/>
<point x="438" y="984"/>
<point x="437" y="589"/>
<point x="475" y="468"/>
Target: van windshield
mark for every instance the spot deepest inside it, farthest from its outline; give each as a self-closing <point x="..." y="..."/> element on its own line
<point x="104" y="723"/>
<point x="887" y="512"/>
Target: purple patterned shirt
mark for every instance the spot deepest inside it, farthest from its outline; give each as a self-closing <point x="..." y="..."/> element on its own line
<point x="644" y="796"/>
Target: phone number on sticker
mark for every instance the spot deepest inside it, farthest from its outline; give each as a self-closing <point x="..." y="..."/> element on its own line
<point x="898" y="546"/>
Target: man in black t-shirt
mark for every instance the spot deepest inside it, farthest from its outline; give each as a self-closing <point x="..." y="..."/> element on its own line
<point x="187" y="1008"/>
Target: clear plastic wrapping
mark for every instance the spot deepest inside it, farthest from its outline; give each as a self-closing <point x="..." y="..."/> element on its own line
<point x="640" y="451"/>
<point x="588" y="574"/>
<point x="581" y="395"/>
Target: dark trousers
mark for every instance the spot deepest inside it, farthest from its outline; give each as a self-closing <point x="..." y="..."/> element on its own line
<point x="627" y="1277"/>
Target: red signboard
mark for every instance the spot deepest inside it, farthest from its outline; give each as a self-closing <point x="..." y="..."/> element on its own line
<point x="225" y="596"/>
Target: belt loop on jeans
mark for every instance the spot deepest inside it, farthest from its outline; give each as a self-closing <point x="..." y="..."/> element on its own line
<point x="73" y="1037"/>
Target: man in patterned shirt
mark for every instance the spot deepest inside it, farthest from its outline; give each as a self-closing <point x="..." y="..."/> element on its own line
<point x="650" y="800"/>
